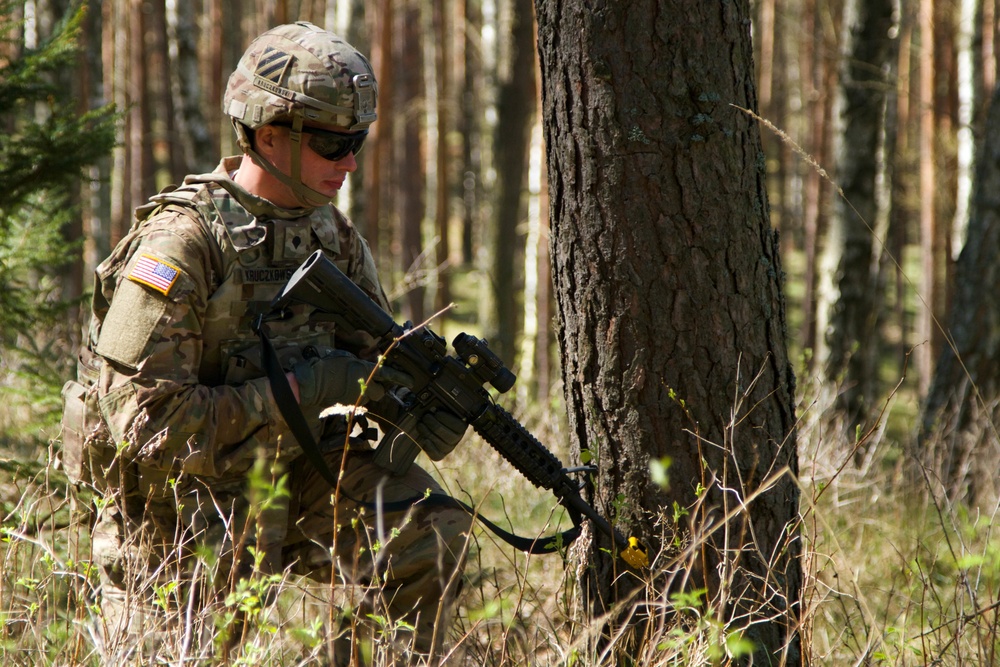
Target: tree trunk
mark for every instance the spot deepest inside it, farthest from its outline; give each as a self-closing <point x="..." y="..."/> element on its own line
<point x="852" y="340"/>
<point x="95" y="193"/>
<point x="901" y="211"/>
<point x="928" y="188"/>
<point x="356" y="32"/>
<point x="668" y="288"/>
<point x="198" y="151"/>
<point x="516" y="99"/>
<point x="959" y="433"/>
<point x="442" y="188"/>
<point x="411" y="178"/>
<point x="966" y="89"/>
<point x="116" y="63"/>
<point x="380" y="155"/>
<point x="471" y="123"/>
<point x="817" y="68"/>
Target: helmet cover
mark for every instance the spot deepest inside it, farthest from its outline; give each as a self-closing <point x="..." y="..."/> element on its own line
<point x="301" y="71"/>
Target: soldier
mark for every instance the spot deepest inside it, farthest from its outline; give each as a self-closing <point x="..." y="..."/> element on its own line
<point x="172" y="413"/>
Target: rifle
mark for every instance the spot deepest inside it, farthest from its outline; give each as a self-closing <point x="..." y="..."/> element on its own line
<point x="443" y="382"/>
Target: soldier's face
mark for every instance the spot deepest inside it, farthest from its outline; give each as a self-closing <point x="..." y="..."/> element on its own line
<point x="320" y="174"/>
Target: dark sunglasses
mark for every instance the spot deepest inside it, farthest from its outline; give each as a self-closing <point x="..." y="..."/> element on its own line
<point x="331" y="145"/>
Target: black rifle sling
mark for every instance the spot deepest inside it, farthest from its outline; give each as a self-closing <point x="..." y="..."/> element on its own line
<point x="292" y="412"/>
<point x="287" y="405"/>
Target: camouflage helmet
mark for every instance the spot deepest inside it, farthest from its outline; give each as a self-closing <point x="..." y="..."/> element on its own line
<point x="299" y="73"/>
<point x="302" y="73"/>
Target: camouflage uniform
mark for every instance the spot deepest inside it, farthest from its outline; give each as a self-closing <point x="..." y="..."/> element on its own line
<point x="172" y="412"/>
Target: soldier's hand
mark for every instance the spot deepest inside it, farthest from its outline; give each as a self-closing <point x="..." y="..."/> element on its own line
<point x="438" y="433"/>
<point x="338" y="377"/>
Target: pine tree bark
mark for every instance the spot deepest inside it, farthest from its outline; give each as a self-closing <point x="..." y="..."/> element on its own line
<point x="669" y="296"/>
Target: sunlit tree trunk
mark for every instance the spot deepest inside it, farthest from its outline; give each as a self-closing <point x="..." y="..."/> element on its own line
<point x="667" y="281"/>
<point x="946" y="13"/>
<point x="196" y="148"/>
<point x="140" y="145"/>
<point x="901" y="188"/>
<point x="410" y="176"/>
<point x="985" y="58"/>
<point x="379" y="155"/>
<point x="212" y="75"/>
<point x="354" y="24"/>
<point x="442" y="189"/>
<point x="116" y="67"/>
<point x="168" y="164"/>
<point x="95" y="199"/>
<point x="470" y="125"/>
<point x="815" y="52"/>
<point x="966" y="90"/>
<point x="545" y="366"/>
<point x="536" y="274"/>
<point x="928" y="191"/>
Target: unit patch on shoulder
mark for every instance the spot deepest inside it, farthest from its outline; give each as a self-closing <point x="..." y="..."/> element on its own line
<point x="155" y="273"/>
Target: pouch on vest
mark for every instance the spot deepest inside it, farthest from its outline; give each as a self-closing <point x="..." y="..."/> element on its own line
<point x="85" y="443"/>
<point x="75" y="428"/>
<point x="243" y="358"/>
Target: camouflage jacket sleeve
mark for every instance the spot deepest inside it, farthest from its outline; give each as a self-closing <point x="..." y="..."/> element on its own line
<point x="150" y="395"/>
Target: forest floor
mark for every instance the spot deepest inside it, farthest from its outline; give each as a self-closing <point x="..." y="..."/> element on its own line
<point x="893" y="574"/>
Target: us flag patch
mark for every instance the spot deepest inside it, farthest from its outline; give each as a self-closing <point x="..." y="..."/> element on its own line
<point x="154" y="273"/>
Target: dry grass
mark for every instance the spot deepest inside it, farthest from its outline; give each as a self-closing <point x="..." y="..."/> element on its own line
<point x="894" y="575"/>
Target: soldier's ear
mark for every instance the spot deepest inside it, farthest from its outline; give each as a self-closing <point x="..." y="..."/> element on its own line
<point x="264" y="141"/>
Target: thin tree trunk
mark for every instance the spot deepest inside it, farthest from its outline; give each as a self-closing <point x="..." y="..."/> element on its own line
<point x="96" y="192"/>
<point x="515" y="105"/>
<point x="140" y="115"/>
<point x="167" y="157"/>
<point x="411" y="178"/>
<point x="946" y="176"/>
<point x="901" y="211"/>
<point x="196" y="148"/>
<point x="966" y="89"/>
<point x="928" y="282"/>
<point x="379" y="155"/>
<point x="987" y="60"/>
<point x="356" y="24"/>
<point x="853" y="253"/>
<point x="470" y="123"/>
<point x="117" y="62"/>
<point x="533" y="290"/>
<point x="212" y="77"/>
<point x="442" y="53"/>
<point x="814" y="65"/>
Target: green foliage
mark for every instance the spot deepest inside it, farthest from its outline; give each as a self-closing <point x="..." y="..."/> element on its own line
<point x="45" y="144"/>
